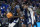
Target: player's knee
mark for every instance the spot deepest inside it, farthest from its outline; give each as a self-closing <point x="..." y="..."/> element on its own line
<point x="29" y="25"/>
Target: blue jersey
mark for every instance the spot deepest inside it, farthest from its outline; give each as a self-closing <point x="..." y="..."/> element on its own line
<point x="15" y="14"/>
<point x="26" y="16"/>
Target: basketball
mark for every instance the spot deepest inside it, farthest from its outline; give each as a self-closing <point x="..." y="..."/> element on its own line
<point x="9" y="15"/>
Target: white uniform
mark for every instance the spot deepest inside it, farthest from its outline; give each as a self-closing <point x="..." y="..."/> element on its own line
<point x="32" y="17"/>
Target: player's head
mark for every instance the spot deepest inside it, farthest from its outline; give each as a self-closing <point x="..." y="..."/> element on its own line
<point x="26" y="5"/>
<point x="17" y="3"/>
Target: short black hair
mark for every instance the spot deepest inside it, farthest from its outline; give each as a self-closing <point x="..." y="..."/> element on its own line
<point x="25" y="3"/>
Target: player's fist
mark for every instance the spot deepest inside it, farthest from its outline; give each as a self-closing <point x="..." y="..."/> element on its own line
<point x="21" y="17"/>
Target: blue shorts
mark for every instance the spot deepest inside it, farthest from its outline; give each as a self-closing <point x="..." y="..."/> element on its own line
<point x="27" y="21"/>
<point x="13" y="20"/>
<point x="22" y="20"/>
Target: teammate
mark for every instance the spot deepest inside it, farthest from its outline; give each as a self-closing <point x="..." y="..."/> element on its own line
<point x="29" y="16"/>
<point x="25" y="16"/>
<point x="22" y="18"/>
<point x="14" y="20"/>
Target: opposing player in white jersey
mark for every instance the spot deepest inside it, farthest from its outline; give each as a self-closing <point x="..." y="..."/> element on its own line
<point x="32" y="16"/>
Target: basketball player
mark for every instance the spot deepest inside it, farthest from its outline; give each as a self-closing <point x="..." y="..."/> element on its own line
<point x="22" y="15"/>
<point x="30" y="16"/>
<point x="22" y="18"/>
<point x="26" y="16"/>
<point x="14" y="20"/>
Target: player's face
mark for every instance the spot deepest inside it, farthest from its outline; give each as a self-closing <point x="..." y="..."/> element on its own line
<point x="25" y="6"/>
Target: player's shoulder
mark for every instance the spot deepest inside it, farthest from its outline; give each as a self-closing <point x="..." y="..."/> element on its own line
<point x="30" y="9"/>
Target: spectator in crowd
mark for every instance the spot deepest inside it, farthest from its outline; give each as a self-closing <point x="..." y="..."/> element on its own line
<point x="4" y="5"/>
<point x="37" y="4"/>
<point x="38" y="18"/>
<point x="3" y="11"/>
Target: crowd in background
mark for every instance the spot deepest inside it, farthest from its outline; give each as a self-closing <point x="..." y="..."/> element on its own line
<point x="8" y="5"/>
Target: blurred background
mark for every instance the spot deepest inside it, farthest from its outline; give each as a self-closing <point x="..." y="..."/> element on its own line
<point x="8" y="5"/>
